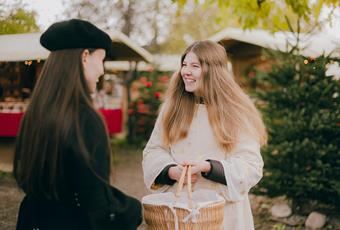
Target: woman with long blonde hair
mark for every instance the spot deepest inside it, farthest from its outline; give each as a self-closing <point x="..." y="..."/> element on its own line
<point x="207" y="121"/>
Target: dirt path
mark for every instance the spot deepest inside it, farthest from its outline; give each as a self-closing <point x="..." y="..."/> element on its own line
<point x="10" y="198"/>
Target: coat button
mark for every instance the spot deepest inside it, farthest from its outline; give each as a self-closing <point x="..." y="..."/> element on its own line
<point x="78" y="205"/>
<point x="112" y="216"/>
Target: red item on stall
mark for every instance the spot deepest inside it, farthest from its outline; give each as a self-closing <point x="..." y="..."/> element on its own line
<point x="10" y="122"/>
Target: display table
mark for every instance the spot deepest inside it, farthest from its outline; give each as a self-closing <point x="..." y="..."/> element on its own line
<point x="113" y="119"/>
<point x="10" y="122"/>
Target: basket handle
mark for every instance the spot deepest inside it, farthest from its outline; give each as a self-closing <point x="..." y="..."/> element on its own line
<point x="186" y="170"/>
<point x="189" y="183"/>
<point x="181" y="182"/>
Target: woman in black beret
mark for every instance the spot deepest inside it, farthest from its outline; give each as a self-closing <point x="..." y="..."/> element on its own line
<point x="62" y="154"/>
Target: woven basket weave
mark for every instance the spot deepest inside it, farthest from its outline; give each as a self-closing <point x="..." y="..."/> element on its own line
<point x="162" y="217"/>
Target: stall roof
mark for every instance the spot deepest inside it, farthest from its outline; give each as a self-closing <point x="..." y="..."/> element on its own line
<point x="312" y="45"/>
<point x="21" y="47"/>
<point x="166" y="63"/>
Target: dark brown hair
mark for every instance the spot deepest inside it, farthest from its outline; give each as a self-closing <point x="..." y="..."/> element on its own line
<point x="53" y="114"/>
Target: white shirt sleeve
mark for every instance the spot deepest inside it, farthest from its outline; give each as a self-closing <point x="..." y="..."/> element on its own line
<point x="242" y="169"/>
<point x="156" y="156"/>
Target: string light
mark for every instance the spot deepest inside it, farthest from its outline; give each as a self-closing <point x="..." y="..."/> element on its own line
<point x="28" y="62"/>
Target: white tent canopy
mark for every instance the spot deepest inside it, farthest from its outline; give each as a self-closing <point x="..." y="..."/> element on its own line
<point x="21" y="47"/>
<point x="166" y="63"/>
<point x="311" y="45"/>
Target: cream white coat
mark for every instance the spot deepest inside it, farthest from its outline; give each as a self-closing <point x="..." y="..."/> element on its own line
<point x="242" y="167"/>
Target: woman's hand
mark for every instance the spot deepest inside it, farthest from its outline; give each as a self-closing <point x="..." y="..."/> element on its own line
<point x="176" y="171"/>
<point x="198" y="167"/>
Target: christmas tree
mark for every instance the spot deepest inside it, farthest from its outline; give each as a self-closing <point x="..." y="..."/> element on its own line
<point x="301" y="107"/>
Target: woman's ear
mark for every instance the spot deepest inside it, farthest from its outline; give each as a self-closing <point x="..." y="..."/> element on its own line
<point x="84" y="56"/>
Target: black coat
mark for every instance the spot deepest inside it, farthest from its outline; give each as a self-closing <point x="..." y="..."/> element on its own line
<point x="85" y="200"/>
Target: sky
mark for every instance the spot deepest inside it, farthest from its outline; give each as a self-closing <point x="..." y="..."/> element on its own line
<point x="48" y="11"/>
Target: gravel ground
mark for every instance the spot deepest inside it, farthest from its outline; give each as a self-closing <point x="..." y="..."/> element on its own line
<point x="10" y="197"/>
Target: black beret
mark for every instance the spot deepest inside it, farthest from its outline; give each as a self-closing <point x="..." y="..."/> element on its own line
<point x="73" y="34"/>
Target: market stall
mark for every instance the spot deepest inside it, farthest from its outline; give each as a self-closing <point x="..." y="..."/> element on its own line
<point x="245" y="47"/>
<point x="21" y="60"/>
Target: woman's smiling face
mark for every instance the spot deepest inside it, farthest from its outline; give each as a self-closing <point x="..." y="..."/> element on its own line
<point x="191" y="72"/>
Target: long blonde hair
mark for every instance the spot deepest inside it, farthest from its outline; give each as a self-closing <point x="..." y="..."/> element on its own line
<point x="230" y="111"/>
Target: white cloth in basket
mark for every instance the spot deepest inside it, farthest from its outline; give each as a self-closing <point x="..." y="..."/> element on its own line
<point x="200" y="198"/>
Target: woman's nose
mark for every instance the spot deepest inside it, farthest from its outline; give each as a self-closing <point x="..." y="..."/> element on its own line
<point x="187" y="71"/>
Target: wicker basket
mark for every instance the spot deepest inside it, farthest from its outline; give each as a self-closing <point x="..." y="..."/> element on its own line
<point x="165" y="217"/>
